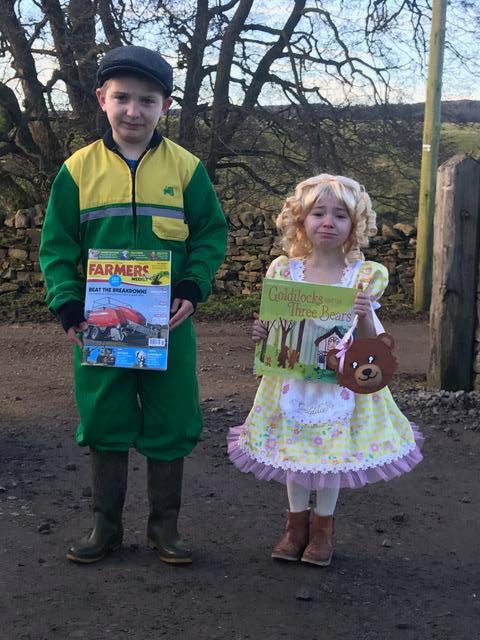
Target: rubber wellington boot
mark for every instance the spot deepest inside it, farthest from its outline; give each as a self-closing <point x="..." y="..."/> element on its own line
<point x="165" y="496"/>
<point x="109" y="486"/>
<point x="320" y="545"/>
<point x="295" y="538"/>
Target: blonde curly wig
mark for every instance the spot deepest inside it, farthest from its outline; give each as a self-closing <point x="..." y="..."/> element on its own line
<point x="296" y="208"/>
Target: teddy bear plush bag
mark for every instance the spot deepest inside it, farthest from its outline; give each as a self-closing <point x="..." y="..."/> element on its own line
<point x="363" y="365"/>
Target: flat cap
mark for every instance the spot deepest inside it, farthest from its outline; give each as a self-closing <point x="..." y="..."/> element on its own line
<point x="138" y="61"/>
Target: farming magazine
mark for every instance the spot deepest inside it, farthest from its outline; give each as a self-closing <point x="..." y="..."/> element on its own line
<point x="127" y="308"/>
<point x="304" y="321"/>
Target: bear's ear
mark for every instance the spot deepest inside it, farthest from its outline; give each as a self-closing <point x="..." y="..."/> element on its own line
<point x="387" y="339"/>
<point x="332" y="360"/>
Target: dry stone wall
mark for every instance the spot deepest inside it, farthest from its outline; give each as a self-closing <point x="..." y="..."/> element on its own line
<point x="19" y="245"/>
<point x="252" y="246"/>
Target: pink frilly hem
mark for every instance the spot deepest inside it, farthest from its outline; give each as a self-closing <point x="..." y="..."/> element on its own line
<point x="318" y="480"/>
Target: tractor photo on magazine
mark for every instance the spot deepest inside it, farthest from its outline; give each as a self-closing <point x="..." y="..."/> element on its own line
<point x="304" y="321"/>
<point x="127" y="309"/>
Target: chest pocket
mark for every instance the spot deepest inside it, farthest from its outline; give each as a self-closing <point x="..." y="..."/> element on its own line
<point x="170" y="224"/>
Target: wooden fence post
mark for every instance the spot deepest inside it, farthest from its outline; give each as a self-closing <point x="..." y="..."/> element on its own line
<point x="453" y="311"/>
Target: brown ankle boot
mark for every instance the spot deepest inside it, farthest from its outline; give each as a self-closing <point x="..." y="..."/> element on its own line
<point x="320" y="547"/>
<point x="295" y="538"/>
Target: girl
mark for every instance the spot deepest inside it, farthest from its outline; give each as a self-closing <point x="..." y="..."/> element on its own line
<point x="316" y="435"/>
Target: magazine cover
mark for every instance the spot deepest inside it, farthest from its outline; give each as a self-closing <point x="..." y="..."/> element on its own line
<point x="304" y="321"/>
<point x="127" y="308"/>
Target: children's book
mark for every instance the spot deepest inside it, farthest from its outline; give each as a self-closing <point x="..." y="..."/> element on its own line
<point x="304" y="321"/>
<point x="127" y="308"/>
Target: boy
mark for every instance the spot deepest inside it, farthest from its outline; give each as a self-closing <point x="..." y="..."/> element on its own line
<point x="134" y="190"/>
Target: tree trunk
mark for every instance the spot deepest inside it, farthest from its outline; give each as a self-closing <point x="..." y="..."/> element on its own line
<point x="221" y="101"/>
<point x="24" y="65"/>
<point x="455" y="267"/>
<point x="194" y="77"/>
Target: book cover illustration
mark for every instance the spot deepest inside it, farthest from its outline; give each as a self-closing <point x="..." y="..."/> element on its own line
<point x="127" y="308"/>
<point x="304" y="321"/>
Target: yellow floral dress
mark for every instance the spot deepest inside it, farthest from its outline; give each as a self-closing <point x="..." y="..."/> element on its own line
<point x="320" y="434"/>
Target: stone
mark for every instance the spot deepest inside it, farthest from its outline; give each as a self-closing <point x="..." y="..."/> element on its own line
<point x="255" y="265"/>
<point x="388" y="232"/>
<point x="233" y="287"/>
<point x="24" y="276"/>
<point x="234" y="220"/>
<point x="235" y="266"/>
<point x="19" y="254"/>
<point x="256" y="241"/>
<point x="7" y="287"/>
<point x="22" y="219"/>
<point x="228" y="274"/>
<point x="37" y="220"/>
<point x="275" y="252"/>
<point x="246" y="218"/>
<point x="249" y="277"/>
<point x="303" y="594"/>
<point x="34" y="235"/>
<point x="246" y="257"/>
<point x="241" y="240"/>
<point x="405" y="229"/>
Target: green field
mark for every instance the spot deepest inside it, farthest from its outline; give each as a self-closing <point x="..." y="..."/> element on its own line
<point x="462" y="138"/>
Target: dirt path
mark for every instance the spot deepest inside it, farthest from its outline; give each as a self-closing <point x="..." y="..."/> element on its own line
<point x="407" y="560"/>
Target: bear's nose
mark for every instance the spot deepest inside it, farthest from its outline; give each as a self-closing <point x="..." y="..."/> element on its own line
<point x="366" y="372"/>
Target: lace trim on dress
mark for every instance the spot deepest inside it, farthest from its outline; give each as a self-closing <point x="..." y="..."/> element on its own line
<point x="349" y="274"/>
<point x="297" y="271"/>
<point x="315" y="481"/>
<point x="324" y="468"/>
<point x="316" y="402"/>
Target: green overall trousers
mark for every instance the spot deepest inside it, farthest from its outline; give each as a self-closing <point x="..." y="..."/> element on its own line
<point x="155" y="412"/>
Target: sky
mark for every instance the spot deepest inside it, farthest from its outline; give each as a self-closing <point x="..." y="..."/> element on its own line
<point x="461" y="75"/>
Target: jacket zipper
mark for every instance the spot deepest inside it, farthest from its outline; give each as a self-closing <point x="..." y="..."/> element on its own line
<point x="133" y="172"/>
<point x="134" y="202"/>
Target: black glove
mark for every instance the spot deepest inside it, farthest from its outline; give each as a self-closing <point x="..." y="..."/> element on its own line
<point x="71" y="314"/>
<point x="187" y="290"/>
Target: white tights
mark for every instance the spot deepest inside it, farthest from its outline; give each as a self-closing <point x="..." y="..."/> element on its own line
<point x="299" y="499"/>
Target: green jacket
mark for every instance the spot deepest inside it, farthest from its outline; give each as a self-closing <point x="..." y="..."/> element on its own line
<point x="97" y="202"/>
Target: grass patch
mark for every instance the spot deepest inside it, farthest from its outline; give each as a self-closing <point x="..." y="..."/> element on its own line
<point x="28" y="305"/>
<point x="228" y="308"/>
<point x="461" y="138"/>
<point x="24" y="305"/>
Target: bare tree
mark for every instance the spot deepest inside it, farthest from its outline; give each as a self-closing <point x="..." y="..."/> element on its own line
<point x="267" y="94"/>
